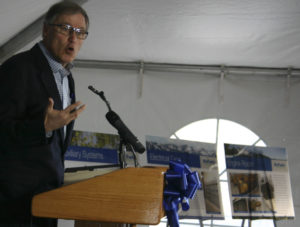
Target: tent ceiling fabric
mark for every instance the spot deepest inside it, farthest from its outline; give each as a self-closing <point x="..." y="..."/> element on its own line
<point x="262" y="33"/>
<point x="16" y="15"/>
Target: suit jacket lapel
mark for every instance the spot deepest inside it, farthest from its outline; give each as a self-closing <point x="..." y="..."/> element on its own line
<point x="72" y="88"/>
<point x="47" y="77"/>
<point x="73" y="99"/>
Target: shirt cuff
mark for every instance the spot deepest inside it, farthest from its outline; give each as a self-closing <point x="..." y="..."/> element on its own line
<point x="49" y="134"/>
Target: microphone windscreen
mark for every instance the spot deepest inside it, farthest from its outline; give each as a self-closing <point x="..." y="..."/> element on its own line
<point x="112" y="117"/>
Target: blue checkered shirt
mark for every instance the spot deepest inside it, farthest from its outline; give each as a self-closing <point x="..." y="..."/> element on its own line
<point x="60" y="74"/>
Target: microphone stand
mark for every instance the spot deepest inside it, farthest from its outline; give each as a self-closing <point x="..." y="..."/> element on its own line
<point x="136" y="163"/>
<point x="122" y="146"/>
<point x="122" y="154"/>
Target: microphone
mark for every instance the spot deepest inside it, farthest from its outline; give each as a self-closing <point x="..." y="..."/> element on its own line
<point x="116" y="122"/>
<point x="124" y="132"/>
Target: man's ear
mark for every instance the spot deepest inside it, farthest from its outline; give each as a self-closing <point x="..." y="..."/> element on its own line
<point x="45" y="31"/>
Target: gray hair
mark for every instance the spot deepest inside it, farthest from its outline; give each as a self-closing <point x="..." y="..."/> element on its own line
<point x="65" y="7"/>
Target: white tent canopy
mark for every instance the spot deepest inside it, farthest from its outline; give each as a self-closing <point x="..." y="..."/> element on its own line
<point x="242" y="33"/>
<point x="124" y="34"/>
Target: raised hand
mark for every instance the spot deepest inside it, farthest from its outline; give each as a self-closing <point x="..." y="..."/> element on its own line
<point x="55" y="119"/>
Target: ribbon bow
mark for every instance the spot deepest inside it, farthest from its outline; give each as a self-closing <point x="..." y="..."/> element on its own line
<point x="181" y="185"/>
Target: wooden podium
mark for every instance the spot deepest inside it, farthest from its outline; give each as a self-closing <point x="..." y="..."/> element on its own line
<point x="130" y="195"/>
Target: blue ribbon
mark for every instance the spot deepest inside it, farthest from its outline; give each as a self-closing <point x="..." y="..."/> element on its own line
<point x="181" y="185"/>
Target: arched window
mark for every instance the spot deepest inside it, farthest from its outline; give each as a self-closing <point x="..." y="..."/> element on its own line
<point x="220" y="131"/>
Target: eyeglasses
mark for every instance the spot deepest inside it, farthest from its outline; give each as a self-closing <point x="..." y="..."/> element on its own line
<point x="67" y="29"/>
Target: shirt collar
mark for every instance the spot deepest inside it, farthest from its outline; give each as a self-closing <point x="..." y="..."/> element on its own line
<point x="55" y="65"/>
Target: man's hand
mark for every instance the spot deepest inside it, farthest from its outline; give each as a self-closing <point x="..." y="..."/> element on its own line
<point x="55" y="119"/>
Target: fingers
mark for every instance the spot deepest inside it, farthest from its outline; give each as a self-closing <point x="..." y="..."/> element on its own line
<point x="72" y="107"/>
<point x="50" y="104"/>
<point x="49" y="110"/>
<point x="74" y="110"/>
<point x="80" y="109"/>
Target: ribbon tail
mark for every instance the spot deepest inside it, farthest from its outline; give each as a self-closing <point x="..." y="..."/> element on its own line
<point x="172" y="216"/>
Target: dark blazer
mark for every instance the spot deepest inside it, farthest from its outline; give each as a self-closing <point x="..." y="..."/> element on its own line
<point x="29" y="162"/>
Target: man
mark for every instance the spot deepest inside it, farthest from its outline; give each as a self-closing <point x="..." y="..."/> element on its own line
<point x="37" y="114"/>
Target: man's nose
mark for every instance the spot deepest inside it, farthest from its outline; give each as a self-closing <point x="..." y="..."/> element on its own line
<point x="72" y="35"/>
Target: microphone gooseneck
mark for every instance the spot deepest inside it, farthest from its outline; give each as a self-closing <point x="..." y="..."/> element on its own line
<point x="101" y="94"/>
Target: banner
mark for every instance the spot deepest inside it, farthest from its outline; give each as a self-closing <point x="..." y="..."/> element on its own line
<point x="259" y="182"/>
<point x="200" y="157"/>
<point x="93" y="147"/>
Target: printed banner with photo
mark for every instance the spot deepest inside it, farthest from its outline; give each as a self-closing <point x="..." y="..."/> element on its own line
<point x="200" y="157"/>
<point x="259" y="182"/>
<point x="93" y="147"/>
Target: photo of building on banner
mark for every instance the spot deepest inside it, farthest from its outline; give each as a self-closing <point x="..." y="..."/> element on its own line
<point x="259" y="182"/>
<point x="93" y="147"/>
<point x="200" y="157"/>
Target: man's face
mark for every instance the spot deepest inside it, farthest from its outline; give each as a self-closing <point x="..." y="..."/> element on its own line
<point x="64" y="48"/>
